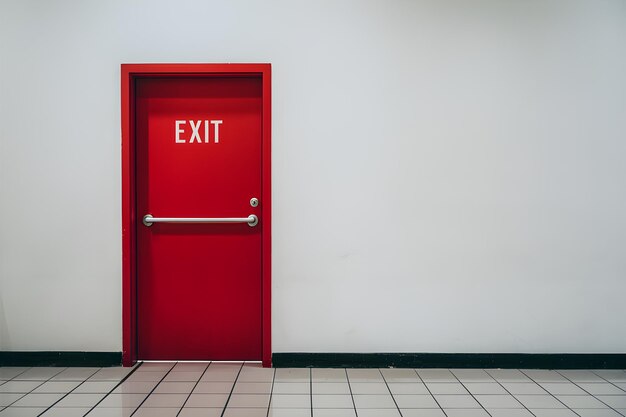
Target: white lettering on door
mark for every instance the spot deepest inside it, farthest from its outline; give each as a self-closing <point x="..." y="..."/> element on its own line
<point x="216" y="124"/>
<point x="179" y="130"/>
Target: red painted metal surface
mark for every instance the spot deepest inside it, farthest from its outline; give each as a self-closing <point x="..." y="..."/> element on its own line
<point x="196" y="291"/>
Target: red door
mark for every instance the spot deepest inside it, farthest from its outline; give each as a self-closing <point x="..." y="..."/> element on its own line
<point x="198" y="164"/>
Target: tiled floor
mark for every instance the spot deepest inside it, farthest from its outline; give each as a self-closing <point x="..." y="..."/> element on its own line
<point x="247" y="390"/>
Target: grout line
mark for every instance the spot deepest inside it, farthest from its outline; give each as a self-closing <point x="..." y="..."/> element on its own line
<point x="390" y="393"/>
<point x="610" y="382"/>
<point x="72" y="390"/>
<point x="150" y="393"/>
<point x="311" y="389"/>
<point x="552" y="395"/>
<point x="27" y="393"/>
<point x="232" y="389"/>
<point x="194" y="387"/>
<point x="468" y="391"/>
<point x="271" y="392"/>
<point x="574" y="382"/>
<point x="504" y="388"/>
<point x="431" y="394"/>
<point x="30" y="392"/>
<point x="351" y="395"/>
<point x="114" y="388"/>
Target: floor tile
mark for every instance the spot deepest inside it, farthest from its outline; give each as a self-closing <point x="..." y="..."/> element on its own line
<point x="543" y="375"/>
<point x="183" y="376"/>
<point x="22" y="411"/>
<point x="415" y="401"/>
<point x="508" y="375"/>
<point x="207" y="400"/>
<point x="289" y="412"/>
<point x="400" y="375"/>
<point x="38" y="400"/>
<point x="190" y="367"/>
<point x="200" y="412"/>
<point x="546" y="412"/>
<point x="436" y="375"/>
<point x="252" y="388"/>
<point x="561" y="388"/>
<point x="330" y="388"/>
<point x="509" y="412"/>
<point x="75" y="374"/>
<point x="7" y="399"/>
<point x="581" y="376"/>
<point x="423" y="412"/>
<point x="601" y="388"/>
<point x="539" y="401"/>
<point x="612" y="375"/>
<point x="328" y="375"/>
<point x="373" y="401"/>
<point x="329" y="412"/>
<point x="531" y="388"/>
<point x="364" y="375"/>
<point x="221" y="372"/>
<point x="156" y="366"/>
<point x="111" y="412"/>
<point x="80" y="400"/>
<point x="472" y="375"/>
<point x="378" y="412"/>
<point x="254" y="374"/>
<point x="113" y="374"/>
<point x="456" y="401"/>
<point x="484" y="388"/>
<point x="156" y="412"/>
<point x="290" y="401"/>
<point x="613" y="401"/>
<point x="332" y="401"/>
<point x="56" y="387"/>
<point x="596" y="412"/>
<point x="446" y="388"/>
<point x="292" y="375"/>
<point x="468" y="412"/>
<point x="246" y="412"/>
<point x="291" y="388"/>
<point x="581" y="401"/>
<point x="66" y="412"/>
<point x="110" y="374"/>
<point x="219" y="376"/>
<point x="407" y="388"/>
<point x="369" y="388"/>
<point x="249" y="400"/>
<point x="19" y="387"/>
<point x="498" y="401"/>
<point x="95" y="387"/>
<point x="166" y="400"/>
<point x="122" y="401"/>
<point x="213" y="388"/>
<point x="9" y="372"/>
<point x="174" y="387"/>
<point x="39" y="374"/>
<point x="135" y="387"/>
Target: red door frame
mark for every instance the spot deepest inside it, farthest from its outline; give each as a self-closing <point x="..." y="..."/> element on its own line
<point x="130" y="73"/>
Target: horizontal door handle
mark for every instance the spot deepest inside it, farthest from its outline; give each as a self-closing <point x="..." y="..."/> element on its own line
<point x="252" y="220"/>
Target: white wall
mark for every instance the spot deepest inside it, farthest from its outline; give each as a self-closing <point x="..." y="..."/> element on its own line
<point x="460" y="166"/>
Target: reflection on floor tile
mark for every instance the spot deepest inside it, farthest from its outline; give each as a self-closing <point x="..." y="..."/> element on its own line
<point x="194" y="389"/>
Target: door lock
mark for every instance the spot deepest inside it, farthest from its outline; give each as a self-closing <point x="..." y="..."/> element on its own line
<point x="254" y="202"/>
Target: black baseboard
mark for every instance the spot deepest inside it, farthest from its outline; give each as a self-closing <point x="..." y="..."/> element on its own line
<point x="451" y="360"/>
<point x="95" y="359"/>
